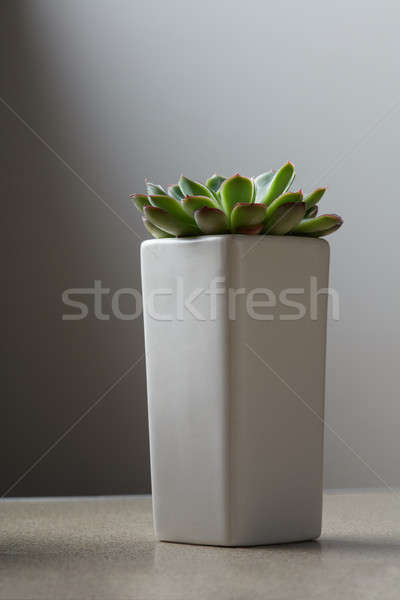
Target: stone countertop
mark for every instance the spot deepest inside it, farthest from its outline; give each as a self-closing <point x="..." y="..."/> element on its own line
<point x="104" y="548"/>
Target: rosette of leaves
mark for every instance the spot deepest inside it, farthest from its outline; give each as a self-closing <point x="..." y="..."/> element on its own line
<point x="264" y="205"/>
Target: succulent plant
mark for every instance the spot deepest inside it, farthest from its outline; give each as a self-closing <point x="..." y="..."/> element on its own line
<point x="252" y="206"/>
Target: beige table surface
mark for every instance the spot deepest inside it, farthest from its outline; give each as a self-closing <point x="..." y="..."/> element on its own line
<point x="104" y="548"/>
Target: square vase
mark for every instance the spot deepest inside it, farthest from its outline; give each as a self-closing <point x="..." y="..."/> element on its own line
<point x="235" y="335"/>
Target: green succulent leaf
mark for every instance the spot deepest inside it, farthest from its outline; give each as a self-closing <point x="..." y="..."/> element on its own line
<point x="176" y="192"/>
<point x="153" y="189"/>
<point x="284" y="218"/>
<point x="311" y="212"/>
<point x="251" y="229"/>
<point x="319" y="226"/>
<point x="215" y="182"/>
<point x="245" y="215"/>
<point x="211" y="221"/>
<point x="193" y="203"/>
<point x="194" y="188"/>
<point x="155" y="231"/>
<point x="326" y="231"/>
<point x="261" y="185"/>
<point x="315" y="196"/>
<point x="140" y="201"/>
<point x="280" y="182"/>
<point x="172" y="206"/>
<point x="284" y="199"/>
<point x="168" y="222"/>
<point x="236" y="189"/>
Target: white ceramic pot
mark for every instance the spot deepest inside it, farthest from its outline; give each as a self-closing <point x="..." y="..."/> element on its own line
<point x="235" y="382"/>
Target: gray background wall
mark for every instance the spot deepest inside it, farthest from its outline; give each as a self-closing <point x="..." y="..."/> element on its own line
<point x="127" y="89"/>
